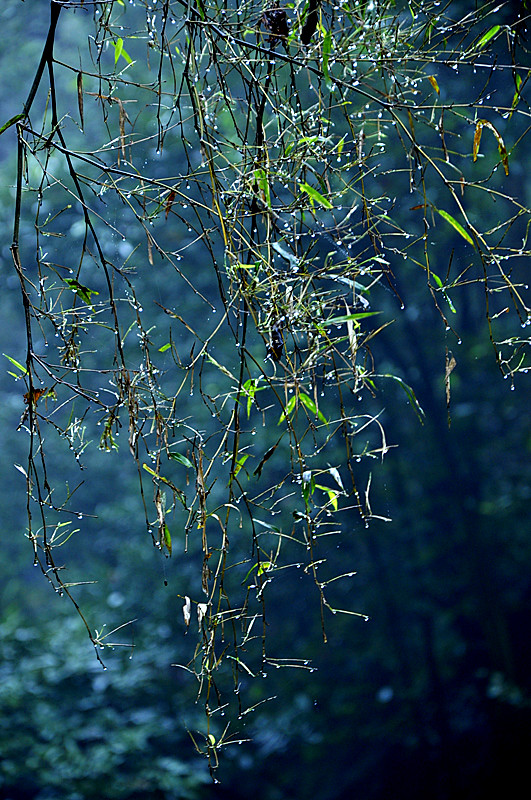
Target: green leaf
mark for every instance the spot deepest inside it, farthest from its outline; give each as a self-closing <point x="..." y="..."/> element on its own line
<point x="16" y="364"/>
<point x="156" y="475"/>
<point x="11" y="122"/>
<point x="411" y="395"/>
<point x="455" y="224"/>
<point x="118" y="47"/>
<point x="82" y="291"/>
<point x="307" y="402"/>
<point x="489" y="35"/>
<point x="167" y="538"/>
<point x="315" y="196"/>
<point x="250" y="387"/>
<point x="289" y="409"/>
<point x="165" y="347"/>
<point x="516" y="98"/>
<point x="248" y="574"/>
<point x="119" y="51"/>
<point x="260" y="177"/>
<point x="332" y="495"/>
<point x="348" y="317"/>
<point x="327" y="49"/>
<point x="440" y="285"/>
<point x="310" y="405"/>
<point x="151" y="471"/>
<point x="240" y="462"/>
<point x="448" y="300"/>
<point x="308" y="487"/>
<point x="181" y="460"/>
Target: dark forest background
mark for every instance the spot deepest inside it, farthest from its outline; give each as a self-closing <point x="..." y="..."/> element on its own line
<point x="429" y="698"/>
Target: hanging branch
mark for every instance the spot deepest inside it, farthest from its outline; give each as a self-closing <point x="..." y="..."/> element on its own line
<point x="258" y="181"/>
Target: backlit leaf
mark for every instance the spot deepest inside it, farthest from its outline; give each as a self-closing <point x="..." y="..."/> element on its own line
<point x="332" y="495"/>
<point x="434" y="83"/>
<point x="315" y="196"/>
<point x="484" y="123"/>
<point x="16" y="364"/>
<point x="167" y="538"/>
<point x="489" y="35"/>
<point x="455" y="224"/>
<point x="119" y="51"/>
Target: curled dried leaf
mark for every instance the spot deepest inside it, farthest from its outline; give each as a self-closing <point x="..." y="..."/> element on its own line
<point x="187" y="610"/>
<point x="201" y="611"/>
<point x="80" y="98"/>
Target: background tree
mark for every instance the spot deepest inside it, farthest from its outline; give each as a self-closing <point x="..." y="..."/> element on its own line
<point x="318" y="170"/>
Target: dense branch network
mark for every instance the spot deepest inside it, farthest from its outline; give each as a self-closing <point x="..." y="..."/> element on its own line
<point x="254" y="181"/>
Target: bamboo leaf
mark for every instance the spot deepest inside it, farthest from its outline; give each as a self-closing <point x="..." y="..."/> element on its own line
<point x="156" y="475"/>
<point x="349" y="317"/>
<point x="11" y="122"/>
<point x="516" y="97"/>
<point x="310" y="405"/>
<point x="440" y="285"/>
<point x="477" y="140"/>
<point x="434" y="83"/>
<point x="240" y="462"/>
<point x="411" y="395"/>
<point x="455" y="224"/>
<point x="315" y="196"/>
<point x="327" y="49"/>
<point x="167" y="538"/>
<point x="118" y="47"/>
<point x="221" y="368"/>
<point x="250" y="387"/>
<point x="181" y="460"/>
<point x="332" y="495"/>
<point x="484" y="123"/>
<point x="266" y="457"/>
<point x="82" y="292"/>
<point x="289" y="408"/>
<point x="489" y="35"/>
<point x="260" y="177"/>
<point x="16" y="364"/>
<point x="169" y="202"/>
<point x="119" y="51"/>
